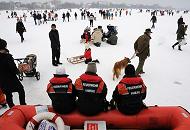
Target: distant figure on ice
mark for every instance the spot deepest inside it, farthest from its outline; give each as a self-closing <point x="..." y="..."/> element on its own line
<point x="68" y="15"/>
<point x="154" y="20"/>
<point x="129" y="94"/>
<point x="9" y="81"/>
<point x="91" y="92"/>
<point x="91" y="18"/>
<point x="180" y="36"/>
<point x="55" y="45"/>
<point x="24" y="16"/>
<point x="35" y="17"/>
<point x="62" y="92"/>
<point x="75" y="16"/>
<point x="20" y="28"/>
<point x="63" y="16"/>
<point x="45" y="18"/>
<point x="39" y="18"/>
<point x="142" y="49"/>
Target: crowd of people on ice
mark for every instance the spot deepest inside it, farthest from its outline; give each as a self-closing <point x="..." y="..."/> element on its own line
<point x="88" y="92"/>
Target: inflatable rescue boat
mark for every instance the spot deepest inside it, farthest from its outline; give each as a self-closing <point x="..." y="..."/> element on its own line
<point x="154" y="117"/>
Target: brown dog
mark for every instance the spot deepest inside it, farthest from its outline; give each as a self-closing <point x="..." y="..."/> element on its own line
<point x="118" y="66"/>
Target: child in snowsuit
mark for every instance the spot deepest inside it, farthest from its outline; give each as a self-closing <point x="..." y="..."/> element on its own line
<point x="2" y="100"/>
<point x="87" y="54"/>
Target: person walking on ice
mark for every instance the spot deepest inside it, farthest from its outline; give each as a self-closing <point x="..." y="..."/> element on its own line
<point x="142" y="50"/>
<point x="180" y="36"/>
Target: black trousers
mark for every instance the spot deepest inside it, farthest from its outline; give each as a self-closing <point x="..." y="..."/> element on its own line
<point x="55" y="55"/>
<point x="91" y="23"/>
<point x="21" y="36"/>
<point x="9" y="97"/>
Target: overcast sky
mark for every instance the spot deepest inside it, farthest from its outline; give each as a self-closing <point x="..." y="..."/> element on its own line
<point x="173" y="3"/>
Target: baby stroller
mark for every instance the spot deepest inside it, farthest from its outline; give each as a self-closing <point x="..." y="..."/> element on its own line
<point x="27" y="66"/>
<point x="111" y="35"/>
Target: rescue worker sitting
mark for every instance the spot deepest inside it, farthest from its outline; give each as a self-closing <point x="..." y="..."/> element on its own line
<point x="129" y="93"/>
<point x="91" y="92"/>
<point x="61" y="92"/>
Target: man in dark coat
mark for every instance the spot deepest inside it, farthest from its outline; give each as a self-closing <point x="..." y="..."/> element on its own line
<point x="63" y="16"/>
<point x="8" y="80"/>
<point x="180" y="21"/>
<point x="154" y="20"/>
<point x="55" y="45"/>
<point x="68" y="15"/>
<point x="62" y="92"/>
<point x="142" y="49"/>
<point x="129" y="93"/>
<point x="180" y="35"/>
<point x="20" y="28"/>
<point x="91" y="92"/>
<point x="91" y="18"/>
<point x="35" y="17"/>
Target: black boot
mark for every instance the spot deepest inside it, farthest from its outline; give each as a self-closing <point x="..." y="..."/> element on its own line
<point x="54" y="63"/>
<point x="175" y="44"/>
<point x="59" y="63"/>
<point x="179" y="48"/>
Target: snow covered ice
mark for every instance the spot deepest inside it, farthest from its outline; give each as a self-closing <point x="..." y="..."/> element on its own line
<point x="167" y="70"/>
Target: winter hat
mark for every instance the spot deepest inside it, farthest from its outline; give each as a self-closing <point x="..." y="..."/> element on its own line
<point x="130" y="70"/>
<point x="60" y="70"/>
<point x="148" y="30"/>
<point x="53" y="25"/>
<point x="3" y="44"/>
<point x="100" y="27"/>
<point x="91" y="67"/>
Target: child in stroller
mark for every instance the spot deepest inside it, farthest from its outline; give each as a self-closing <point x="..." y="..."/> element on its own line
<point x="111" y="35"/>
<point x="27" y="66"/>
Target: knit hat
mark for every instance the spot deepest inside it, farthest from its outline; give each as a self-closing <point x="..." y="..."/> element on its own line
<point x="3" y="44"/>
<point x="130" y="70"/>
<point x="148" y="30"/>
<point x="53" y="25"/>
<point x="60" y="70"/>
<point x="91" y="67"/>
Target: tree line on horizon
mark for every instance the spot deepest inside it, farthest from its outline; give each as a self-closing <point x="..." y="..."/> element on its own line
<point x="58" y="5"/>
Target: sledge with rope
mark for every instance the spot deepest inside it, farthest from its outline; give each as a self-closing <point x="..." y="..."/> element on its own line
<point x="76" y="59"/>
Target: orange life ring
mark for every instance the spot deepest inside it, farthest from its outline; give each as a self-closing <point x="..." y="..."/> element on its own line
<point x="45" y="116"/>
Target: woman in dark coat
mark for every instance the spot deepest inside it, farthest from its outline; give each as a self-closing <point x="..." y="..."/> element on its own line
<point x="180" y="35"/>
<point x="8" y="80"/>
